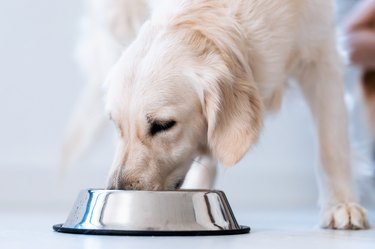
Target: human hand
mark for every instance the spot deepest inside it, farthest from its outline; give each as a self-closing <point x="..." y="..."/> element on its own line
<point x="360" y="31"/>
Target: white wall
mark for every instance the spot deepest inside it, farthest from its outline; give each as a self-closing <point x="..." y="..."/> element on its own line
<point x="40" y="84"/>
<point x="39" y="80"/>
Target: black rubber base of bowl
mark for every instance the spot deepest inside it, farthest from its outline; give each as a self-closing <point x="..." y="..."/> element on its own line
<point x="59" y="228"/>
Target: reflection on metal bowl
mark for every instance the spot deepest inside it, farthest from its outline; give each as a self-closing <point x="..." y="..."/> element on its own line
<point x="123" y="212"/>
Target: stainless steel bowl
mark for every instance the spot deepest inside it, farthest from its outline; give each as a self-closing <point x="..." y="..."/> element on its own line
<point x="122" y="212"/>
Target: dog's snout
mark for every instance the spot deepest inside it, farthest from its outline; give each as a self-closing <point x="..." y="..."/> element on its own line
<point x="122" y="180"/>
<point x="130" y="185"/>
<point x="126" y="184"/>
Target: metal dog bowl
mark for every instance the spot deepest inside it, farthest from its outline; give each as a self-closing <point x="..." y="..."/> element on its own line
<point x="123" y="212"/>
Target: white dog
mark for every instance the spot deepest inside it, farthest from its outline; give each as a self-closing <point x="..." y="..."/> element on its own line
<point x="193" y="86"/>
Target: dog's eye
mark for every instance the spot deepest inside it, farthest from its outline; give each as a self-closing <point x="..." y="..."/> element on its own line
<point x="159" y="126"/>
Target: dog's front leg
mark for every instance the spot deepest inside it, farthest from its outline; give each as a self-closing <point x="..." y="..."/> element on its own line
<point x="202" y="173"/>
<point x="322" y="86"/>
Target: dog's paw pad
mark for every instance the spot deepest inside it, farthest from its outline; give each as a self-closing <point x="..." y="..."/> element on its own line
<point x="348" y="216"/>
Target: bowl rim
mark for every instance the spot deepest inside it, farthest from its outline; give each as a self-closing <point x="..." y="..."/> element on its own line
<point x="154" y="191"/>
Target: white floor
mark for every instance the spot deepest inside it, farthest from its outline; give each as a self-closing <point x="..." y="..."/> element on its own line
<point x="269" y="230"/>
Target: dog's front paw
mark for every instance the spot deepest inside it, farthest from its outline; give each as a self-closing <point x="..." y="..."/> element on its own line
<point x="349" y="216"/>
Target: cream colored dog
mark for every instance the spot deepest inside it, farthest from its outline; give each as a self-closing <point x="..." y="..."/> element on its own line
<point x="194" y="85"/>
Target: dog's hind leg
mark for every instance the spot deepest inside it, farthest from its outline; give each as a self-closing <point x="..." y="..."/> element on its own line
<point x="322" y="85"/>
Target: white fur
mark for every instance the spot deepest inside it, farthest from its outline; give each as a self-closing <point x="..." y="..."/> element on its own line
<point x="215" y="67"/>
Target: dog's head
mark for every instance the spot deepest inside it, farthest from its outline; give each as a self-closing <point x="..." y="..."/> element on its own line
<point x="177" y="92"/>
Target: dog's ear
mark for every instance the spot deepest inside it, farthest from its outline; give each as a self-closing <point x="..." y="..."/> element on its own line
<point x="234" y="117"/>
<point x="231" y="101"/>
